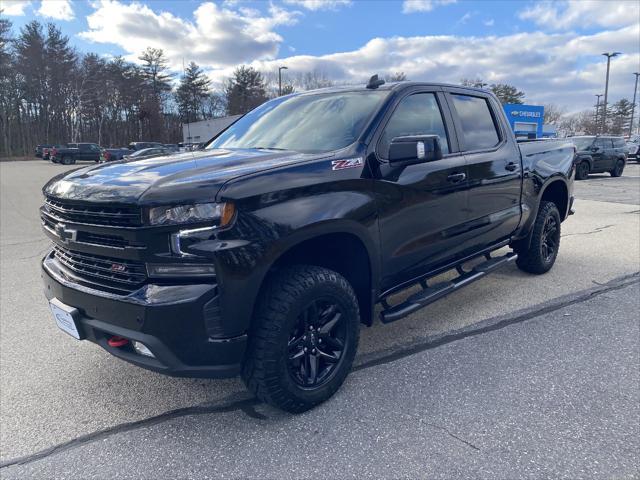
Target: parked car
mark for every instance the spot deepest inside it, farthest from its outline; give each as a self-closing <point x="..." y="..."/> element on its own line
<point x="113" y="154"/>
<point x="599" y="154"/>
<point x="142" y="145"/>
<point x="633" y="145"/>
<point x="263" y="253"/>
<point x="148" y="153"/>
<point x="39" y="148"/>
<point x="46" y="151"/>
<point x="73" y="152"/>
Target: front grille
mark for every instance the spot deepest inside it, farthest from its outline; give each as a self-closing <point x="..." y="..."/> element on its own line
<point x="104" y="240"/>
<point x="102" y="271"/>
<point x="94" y="214"/>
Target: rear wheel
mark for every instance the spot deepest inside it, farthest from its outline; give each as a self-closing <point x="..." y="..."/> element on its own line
<point x="545" y="241"/>
<point x="618" y="169"/>
<point x="582" y="170"/>
<point x="304" y="338"/>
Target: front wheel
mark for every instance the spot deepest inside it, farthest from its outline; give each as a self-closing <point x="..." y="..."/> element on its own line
<point x="545" y="241"/>
<point x="618" y="169"/>
<point x="303" y="339"/>
<point x="68" y="160"/>
<point x="582" y="170"/>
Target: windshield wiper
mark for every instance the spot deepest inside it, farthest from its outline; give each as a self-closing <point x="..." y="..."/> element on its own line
<point x="268" y="148"/>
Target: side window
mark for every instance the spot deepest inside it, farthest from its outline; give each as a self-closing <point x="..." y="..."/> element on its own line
<point x="618" y="143"/>
<point x="602" y="143"/>
<point x="478" y="126"/>
<point x="417" y="114"/>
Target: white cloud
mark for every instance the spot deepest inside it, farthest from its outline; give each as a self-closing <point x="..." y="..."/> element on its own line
<point x="489" y="23"/>
<point x="582" y="13"/>
<point x="57" y="9"/>
<point x="416" y="6"/>
<point x="550" y="68"/>
<point x="14" y="8"/>
<point x="319" y="4"/>
<point x="216" y="37"/>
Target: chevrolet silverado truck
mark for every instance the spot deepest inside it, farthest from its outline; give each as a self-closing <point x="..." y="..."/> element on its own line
<point x="262" y="254"/>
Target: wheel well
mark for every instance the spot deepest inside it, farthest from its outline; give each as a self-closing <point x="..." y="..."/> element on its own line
<point x="557" y="193"/>
<point x="341" y="252"/>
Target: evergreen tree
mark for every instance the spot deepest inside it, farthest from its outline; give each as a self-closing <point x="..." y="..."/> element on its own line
<point x="619" y="117"/>
<point x="507" y="93"/>
<point x="245" y="91"/>
<point x="192" y="94"/>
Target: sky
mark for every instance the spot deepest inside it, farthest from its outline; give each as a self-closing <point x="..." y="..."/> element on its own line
<point x="550" y="50"/>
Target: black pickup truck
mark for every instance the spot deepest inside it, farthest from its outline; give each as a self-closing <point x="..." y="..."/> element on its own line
<point x="261" y="254"/>
<point x="72" y="152"/>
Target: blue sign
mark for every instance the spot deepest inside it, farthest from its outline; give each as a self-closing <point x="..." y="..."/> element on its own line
<point x="525" y="120"/>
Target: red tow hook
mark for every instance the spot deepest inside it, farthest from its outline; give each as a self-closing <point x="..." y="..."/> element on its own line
<point x="117" y="342"/>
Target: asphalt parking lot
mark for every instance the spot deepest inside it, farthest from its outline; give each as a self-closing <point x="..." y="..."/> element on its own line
<point x="514" y="374"/>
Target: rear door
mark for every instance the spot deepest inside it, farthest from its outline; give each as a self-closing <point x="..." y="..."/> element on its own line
<point x="601" y="154"/>
<point x="494" y="167"/>
<point x="421" y="206"/>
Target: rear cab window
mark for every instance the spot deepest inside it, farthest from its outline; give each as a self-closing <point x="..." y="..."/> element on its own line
<point x="416" y="114"/>
<point x="479" y="128"/>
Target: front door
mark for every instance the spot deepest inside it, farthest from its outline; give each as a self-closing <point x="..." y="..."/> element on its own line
<point x="421" y="206"/>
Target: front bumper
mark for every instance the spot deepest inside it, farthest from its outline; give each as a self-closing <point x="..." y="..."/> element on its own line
<point x="169" y="319"/>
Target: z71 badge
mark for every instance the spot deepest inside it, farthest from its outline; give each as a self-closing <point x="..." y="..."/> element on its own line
<point x="346" y="163"/>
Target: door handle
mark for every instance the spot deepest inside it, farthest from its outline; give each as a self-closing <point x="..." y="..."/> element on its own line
<point x="456" y="177"/>
<point x="511" y="166"/>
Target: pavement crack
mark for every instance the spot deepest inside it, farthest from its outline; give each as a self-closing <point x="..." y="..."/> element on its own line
<point x="597" y="230"/>
<point x="203" y="409"/>
<point x="452" y="435"/>
<point x="493" y="324"/>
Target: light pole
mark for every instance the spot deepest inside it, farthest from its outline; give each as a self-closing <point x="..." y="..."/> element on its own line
<point x="633" y="107"/>
<point x="597" y="110"/>
<point x="606" y="88"/>
<point x="280" y="80"/>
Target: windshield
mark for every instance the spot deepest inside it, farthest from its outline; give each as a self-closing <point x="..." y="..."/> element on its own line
<point x="304" y="123"/>
<point x="582" y="143"/>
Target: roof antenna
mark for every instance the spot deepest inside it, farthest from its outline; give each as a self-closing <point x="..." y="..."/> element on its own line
<point x="374" y="82"/>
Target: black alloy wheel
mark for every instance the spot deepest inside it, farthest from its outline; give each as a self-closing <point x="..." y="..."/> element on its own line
<point x="303" y="338"/>
<point x="550" y="238"/>
<point x="316" y="344"/>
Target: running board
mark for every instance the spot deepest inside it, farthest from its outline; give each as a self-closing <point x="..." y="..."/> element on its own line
<point x="430" y="294"/>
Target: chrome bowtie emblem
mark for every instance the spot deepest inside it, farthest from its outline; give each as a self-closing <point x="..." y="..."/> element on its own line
<point x="65" y="234"/>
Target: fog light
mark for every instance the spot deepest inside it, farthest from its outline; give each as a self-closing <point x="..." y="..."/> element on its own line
<point x="181" y="270"/>
<point x="142" y="349"/>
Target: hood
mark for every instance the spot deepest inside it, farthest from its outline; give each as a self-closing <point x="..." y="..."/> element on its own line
<point x="190" y="176"/>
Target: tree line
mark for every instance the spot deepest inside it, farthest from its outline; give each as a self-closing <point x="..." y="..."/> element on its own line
<point x="50" y="93"/>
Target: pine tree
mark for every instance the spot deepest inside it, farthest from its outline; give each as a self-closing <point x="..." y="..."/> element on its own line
<point x="507" y="93"/>
<point x="192" y="94"/>
<point x="245" y="91"/>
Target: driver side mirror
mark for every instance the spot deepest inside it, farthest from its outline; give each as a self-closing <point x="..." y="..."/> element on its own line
<point x="414" y="149"/>
<point x="594" y="148"/>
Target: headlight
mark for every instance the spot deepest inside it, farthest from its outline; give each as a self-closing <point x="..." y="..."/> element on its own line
<point x="219" y="213"/>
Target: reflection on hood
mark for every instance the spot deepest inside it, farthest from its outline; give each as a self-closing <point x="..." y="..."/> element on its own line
<point x="186" y="176"/>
